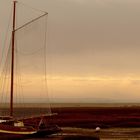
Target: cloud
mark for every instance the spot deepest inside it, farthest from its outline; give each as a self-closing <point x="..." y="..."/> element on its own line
<point x="104" y="2"/>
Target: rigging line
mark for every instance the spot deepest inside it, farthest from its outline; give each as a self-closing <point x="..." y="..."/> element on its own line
<point x="30" y="22"/>
<point x="5" y="40"/>
<point x="45" y="60"/>
<point x="2" y="86"/>
<point x="20" y="98"/>
<point x="16" y="79"/>
<point x="20" y="90"/>
<point x="5" y="67"/>
<point x="19" y="80"/>
<point x="5" y="71"/>
<point x="6" y="58"/>
<point x="6" y="91"/>
<point x="35" y="9"/>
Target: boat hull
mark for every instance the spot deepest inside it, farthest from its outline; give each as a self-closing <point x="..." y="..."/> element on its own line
<point x="11" y="132"/>
<point x="8" y="131"/>
<point x="47" y="131"/>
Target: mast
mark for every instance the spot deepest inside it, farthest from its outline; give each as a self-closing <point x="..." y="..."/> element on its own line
<point x="12" y="60"/>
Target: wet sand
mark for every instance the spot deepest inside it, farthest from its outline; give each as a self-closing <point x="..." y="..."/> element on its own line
<point x="90" y="134"/>
<point x="117" y="122"/>
<point x="107" y="134"/>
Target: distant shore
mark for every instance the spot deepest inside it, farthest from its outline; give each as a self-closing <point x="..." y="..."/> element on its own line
<point x="59" y="105"/>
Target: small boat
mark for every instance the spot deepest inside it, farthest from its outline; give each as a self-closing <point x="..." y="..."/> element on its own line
<point x="34" y="126"/>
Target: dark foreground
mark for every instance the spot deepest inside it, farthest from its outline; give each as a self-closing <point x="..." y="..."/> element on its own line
<point x="92" y="117"/>
<point x="90" y="134"/>
<point x="79" y="122"/>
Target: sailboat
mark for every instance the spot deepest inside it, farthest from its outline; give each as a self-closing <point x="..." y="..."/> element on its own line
<point x="28" y="126"/>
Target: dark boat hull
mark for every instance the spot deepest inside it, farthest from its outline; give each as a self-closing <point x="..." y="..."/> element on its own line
<point x="47" y="131"/>
<point x="8" y="132"/>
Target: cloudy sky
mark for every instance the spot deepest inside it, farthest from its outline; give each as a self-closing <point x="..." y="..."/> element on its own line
<point x="93" y="48"/>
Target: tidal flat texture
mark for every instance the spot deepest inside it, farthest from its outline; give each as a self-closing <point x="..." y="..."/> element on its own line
<point x="119" y="122"/>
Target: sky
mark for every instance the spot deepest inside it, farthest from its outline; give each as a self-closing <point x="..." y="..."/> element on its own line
<point x="93" y="48"/>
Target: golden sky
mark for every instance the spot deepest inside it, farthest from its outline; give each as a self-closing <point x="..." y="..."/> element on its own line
<point x="93" y="48"/>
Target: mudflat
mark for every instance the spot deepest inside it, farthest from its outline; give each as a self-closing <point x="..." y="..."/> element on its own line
<point x="92" y="117"/>
<point x="78" y="121"/>
<point x="117" y="122"/>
